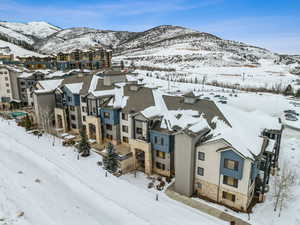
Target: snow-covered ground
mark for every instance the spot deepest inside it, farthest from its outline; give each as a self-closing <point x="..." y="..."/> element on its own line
<point x="265" y="76"/>
<point x="52" y="187"/>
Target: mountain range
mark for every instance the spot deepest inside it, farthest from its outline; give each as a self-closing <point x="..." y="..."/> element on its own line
<point x="162" y="46"/>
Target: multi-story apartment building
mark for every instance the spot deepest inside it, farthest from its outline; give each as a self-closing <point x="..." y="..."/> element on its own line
<point x="93" y="59"/>
<point x="67" y="111"/>
<point x="38" y="62"/>
<point x="26" y="85"/>
<point x="207" y="150"/>
<point x="224" y="166"/>
<point x="8" y="84"/>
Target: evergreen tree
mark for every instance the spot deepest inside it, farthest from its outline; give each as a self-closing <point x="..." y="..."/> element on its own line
<point x="289" y="90"/>
<point x="122" y="65"/>
<point x="297" y="93"/>
<point x="84" y="146"/>
<point x="110" y="162"/>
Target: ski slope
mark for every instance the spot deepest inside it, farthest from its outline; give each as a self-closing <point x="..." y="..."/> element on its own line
<point x="17" y="50"/>
<point x="52" y="187"/>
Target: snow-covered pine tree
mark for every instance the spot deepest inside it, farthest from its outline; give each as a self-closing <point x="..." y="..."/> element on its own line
<point x="289" y="90"/>
<point x="110" y="161"/>
<point x="84" y="146"/>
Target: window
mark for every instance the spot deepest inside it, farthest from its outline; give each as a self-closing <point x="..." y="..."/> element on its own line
<point x="200" y="171"/>
<point x="155" y="140"/>
<point x="125" y="139"/>
<point x="162" y="141"/>
<point x="6" y="78"/>
<point x="106" y="115"/>
<point x="109" y="137"/>
<point x="139" y="130"/>
<point x="84" y="128"/>
<point x="108" y="127"/>
<point x="199" y="185"/>
<point x="160" y="154"/>
<point x="228" y="196"/>
<point x="73" y="117"/>
<point x="73" y="126"/>
<point x="23" y="89"/>
<point x="125" y="129"/>
<point x="7" y="85"/>
<point x="160" y="166"/>
<point x="8" y="91"/>
<point x="83" y="99"/>
<point x="124" y="116"/>
<point x="230" y="181"/>
<point x="22" y="83"/>
<point x="83" y="118"/>
<point x="201" y="156"/>
<point x="83" y="109"/>
<point x="231" y="164"/>
<point x="69" y="99"/>
<point x="72" y="108"/>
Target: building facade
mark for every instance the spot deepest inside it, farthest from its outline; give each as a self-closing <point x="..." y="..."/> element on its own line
<point x="8" y="84"/>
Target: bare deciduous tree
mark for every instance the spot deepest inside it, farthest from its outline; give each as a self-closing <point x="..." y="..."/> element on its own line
<point x="282" y="185"/>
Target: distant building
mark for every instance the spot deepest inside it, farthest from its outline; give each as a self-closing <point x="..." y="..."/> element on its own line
<point x="9" y="84"/>
<point x="93" y="59"/>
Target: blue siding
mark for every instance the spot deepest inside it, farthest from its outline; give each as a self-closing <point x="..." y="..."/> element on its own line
<point x="254" y="170"/>
<point x="167" y="141"/>
<point x="113" y="116"/>
<point x="71" y="99"/>
<point x="230" y="154"/>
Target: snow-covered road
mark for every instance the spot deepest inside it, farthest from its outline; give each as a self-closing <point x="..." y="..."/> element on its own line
<point x="52" y="187"/>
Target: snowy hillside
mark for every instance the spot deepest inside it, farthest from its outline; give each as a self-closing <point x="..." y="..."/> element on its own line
<point x="82" y="38"/>
<point x="163" y="46"/>
<point x="36" y="29"/>
<point x="9" y="48"/>
<point x="26" y="35"/>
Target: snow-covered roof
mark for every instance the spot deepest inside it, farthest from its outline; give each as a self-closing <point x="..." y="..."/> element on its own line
<point x="48" y="85"/>
<point x="74" y="88"/>
<point x="244" y="135"/>
<point x="58" y="73"/>
<point x="25" y="75"/>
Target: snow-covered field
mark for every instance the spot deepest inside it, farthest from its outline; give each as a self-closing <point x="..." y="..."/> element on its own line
<point x="266" y="76"/>
<point x="52" y="187"/>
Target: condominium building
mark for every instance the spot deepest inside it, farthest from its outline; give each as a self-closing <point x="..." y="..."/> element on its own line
<point x="8" y="84"/>
<point x="93" y="59"/>
<point x="206" y="148"/>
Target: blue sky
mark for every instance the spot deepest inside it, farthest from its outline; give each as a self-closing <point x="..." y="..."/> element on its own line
<point x="272" y="24"/>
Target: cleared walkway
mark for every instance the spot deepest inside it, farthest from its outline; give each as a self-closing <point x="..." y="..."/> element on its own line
<point x="204" y="207"/>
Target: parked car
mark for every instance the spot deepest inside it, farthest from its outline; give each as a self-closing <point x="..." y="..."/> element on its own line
<point x="223" y="101"/>
<point x="206" y="98"/>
